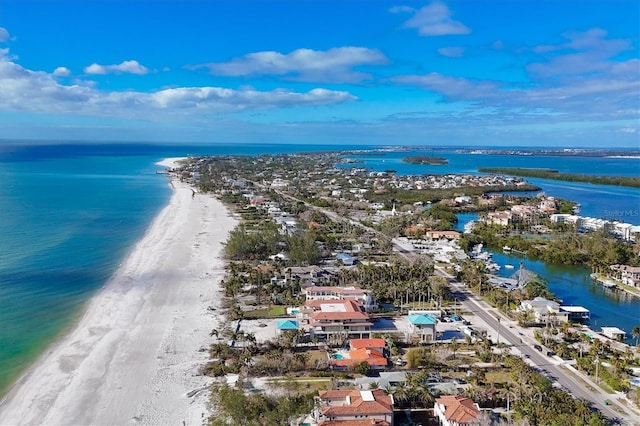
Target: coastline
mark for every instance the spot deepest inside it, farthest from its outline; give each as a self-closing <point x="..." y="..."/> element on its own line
<point x="133" y="356"/>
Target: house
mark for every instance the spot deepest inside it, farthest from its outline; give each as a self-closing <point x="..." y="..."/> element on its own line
<point x="549" y="311"/>
<point x="377" y="344"/>
<point x="628" y="275"/>
<point x="502" y="218"/>
<point x="456" y="410"/>
<point x="423" y="327"/>
<point x="439" y="235"/>
<point x="385" y="379"/>
<point x="355" y="408"/>
<point x="373" y="357"/>
<point x="614" y="333"/>
<point x="365" y="297"/>
<point x="338" y="319"/>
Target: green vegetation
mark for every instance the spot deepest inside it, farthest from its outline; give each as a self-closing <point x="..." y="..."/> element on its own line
<point x="424" y="159"/>
<point x="597" y="250"/>
<point x="245" y="243"/>
<point x="438" y="194"/>
<point x="235" y="407"/>
<point x="571" y="177"/>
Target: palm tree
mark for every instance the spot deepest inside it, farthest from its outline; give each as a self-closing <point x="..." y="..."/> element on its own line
<point x="635" y="333"/>
<point x="454" y="346"/>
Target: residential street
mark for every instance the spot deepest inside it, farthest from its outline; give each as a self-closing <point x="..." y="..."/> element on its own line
<point x="520" y="340"/>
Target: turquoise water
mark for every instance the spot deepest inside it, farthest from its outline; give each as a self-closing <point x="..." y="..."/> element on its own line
<point x="65" y="224"/>
<point x="68" y="216"/>
<point x="70" y="213"/>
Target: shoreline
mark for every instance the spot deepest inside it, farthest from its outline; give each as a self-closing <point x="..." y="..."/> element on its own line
<point x="133" y="355"/>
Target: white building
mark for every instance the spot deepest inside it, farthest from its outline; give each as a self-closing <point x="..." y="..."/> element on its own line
<point x="614" y="333"/>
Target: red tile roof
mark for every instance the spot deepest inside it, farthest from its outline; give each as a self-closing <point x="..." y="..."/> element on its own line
<point x="380" y="403"/>
<point x="357" y="356"/>
<point x="369" y="422"/>
<point x="367" y="343"/>
<point x="459" y="409"/>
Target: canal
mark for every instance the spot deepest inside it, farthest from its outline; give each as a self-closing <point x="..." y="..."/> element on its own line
<point x="574" y="286"/>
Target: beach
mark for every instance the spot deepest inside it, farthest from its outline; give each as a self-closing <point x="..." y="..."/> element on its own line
<point x="133" y="356"/>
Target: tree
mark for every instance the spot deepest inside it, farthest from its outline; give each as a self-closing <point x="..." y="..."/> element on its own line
<point x="635" y="333"/>
<point x="303" y="249"/>
<point x="454" y="345"/>
<point x="362" y="368"/>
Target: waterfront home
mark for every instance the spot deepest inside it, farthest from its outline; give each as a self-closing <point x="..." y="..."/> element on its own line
<point x="546" y="311"/>
<point x="502" y="218"/>
<point x="456" y="410"/>
<point x="365" y="297"/>
<point x="439" y="235"/>
<point x="354" y="408"/>
<point x="614" y="333"/>
<point x="628" y="275"/>
<point x="337" y="320"/>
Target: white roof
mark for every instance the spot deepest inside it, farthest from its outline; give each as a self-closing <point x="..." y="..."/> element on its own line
<point x="613" y="330"/>
<point x="333" y="307"/>
<point x="575" y="309"/>
<point x="367" y="396"/>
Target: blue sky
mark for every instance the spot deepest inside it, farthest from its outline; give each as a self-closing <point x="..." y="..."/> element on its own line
<point x="459" y="72"/>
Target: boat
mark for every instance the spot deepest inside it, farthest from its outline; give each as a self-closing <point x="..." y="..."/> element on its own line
<point x="506" y="249"/>
<point x="508" y="266"/>
<point x="605" y="282"/>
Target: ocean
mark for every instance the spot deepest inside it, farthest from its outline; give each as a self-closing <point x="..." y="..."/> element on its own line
<point x="69" y="213"/>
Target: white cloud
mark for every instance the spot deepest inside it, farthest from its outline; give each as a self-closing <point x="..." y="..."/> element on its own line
<point x="62" y="72"/>
<point x="4" y="35"/>
<point x="40" y="92"/>
<point x="451" y="52"/>
<point x="585" y="52"/>
<point x="582" y="79"/>
<point x="130" y="67"/>
<point x="333" y="65"/>
<point x="435" y="19"/>
<point x="402" y="9"/>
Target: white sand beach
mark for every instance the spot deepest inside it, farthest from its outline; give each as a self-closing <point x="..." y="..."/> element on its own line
<point x="134" y="355"/>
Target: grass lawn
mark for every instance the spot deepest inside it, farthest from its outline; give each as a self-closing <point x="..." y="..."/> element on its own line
<point x="275" y="311"/>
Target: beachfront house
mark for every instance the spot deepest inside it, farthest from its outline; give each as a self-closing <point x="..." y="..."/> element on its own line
<point x="365" y="297"/>
<point x="338" y="320"/>
<point x="354" y="407"/>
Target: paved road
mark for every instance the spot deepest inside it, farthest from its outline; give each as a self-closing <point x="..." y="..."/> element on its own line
<point x="546" y="365"/>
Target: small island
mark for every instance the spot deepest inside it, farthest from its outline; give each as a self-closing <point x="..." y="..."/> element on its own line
<point x="424" y="159"/>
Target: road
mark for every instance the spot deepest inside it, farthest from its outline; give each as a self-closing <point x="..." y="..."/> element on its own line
<point x="543" y="363"/>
